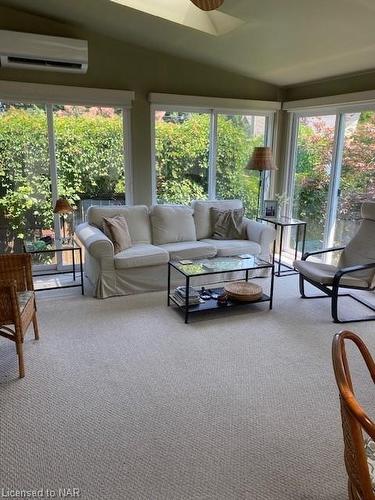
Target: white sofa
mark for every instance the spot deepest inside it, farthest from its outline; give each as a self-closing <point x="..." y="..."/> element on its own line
<point x="159" y="234"/>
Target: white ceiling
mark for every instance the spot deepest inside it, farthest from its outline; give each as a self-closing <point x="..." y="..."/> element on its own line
<point x="283" y="42"/>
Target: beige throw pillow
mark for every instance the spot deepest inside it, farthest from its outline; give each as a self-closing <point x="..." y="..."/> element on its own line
<point x="227" y="224"/>
<point x="116" y="228"/>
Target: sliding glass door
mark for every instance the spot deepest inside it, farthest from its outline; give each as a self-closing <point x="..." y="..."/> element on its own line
<point x="312" y="174"/>
<point x="333" y="173"/>
<point x="356" y="173"/>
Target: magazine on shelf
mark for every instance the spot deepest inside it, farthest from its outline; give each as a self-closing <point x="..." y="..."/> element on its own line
<point x="181" y="301"/>
<point x="193" y="293"/>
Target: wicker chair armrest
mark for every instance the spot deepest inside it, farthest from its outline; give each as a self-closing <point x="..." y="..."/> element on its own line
<point x="343" y="378"/>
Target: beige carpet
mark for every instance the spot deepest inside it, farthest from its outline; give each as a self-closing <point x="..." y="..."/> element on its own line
<point x="124" y="401"/>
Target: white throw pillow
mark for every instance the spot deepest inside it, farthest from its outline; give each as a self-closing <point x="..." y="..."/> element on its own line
<point x="171" y="224"/>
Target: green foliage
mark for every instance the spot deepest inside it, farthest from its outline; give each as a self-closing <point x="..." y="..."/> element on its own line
<point x="89" y="158"/>
<point x="182" y="150"/>
<point x="357" y="182"/>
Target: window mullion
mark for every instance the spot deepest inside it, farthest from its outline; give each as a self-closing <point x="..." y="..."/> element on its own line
<point x="334" y="180"/>
<point x="128" y="171"/>
<point x="52" y="164"/>
<point x="212" y="156"/>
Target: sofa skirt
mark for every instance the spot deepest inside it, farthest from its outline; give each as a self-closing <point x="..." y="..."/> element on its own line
<point x="111" y="283"/>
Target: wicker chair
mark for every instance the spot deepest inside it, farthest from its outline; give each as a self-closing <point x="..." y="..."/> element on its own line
<point x="359" y="448"/>
<point x="17" y="301"/>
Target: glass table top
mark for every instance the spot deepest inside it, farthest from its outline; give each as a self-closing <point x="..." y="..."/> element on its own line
<point x="36" y="246"/>
<point x="282" y="221"/>
<point x="219" y="265"/>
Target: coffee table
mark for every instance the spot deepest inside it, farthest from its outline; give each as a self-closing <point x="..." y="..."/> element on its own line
<point x="217" y="265"/>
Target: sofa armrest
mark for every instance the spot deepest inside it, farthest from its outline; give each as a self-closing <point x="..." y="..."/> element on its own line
<point x="262" y="234"/>
<point x="94" y="241"/>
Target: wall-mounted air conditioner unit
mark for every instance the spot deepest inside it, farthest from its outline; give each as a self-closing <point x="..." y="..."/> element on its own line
<point x="47" y="53"/>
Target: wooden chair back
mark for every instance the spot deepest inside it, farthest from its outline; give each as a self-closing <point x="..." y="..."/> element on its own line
<point x="354" y="418"/>
<point x="17" y="267"/>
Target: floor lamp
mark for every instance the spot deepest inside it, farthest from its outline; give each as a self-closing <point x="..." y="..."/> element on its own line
<point x="63" y="207"/>
<point x="261" y="160"/>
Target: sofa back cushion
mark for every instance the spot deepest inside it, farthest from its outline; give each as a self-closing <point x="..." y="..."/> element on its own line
<point x="202" y="217"/>
<point x="171" y="224"/>
<point x="136" y="216"/>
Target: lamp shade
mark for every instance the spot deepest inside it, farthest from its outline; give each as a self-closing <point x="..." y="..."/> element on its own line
<point x="62" y="206"/>
<point x="261" y="159"/>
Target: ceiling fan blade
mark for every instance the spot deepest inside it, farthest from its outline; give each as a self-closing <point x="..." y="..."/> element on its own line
<point x="208" y="4"/>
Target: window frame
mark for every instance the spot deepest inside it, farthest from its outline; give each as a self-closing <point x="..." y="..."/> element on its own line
<point x="214" y="112"/>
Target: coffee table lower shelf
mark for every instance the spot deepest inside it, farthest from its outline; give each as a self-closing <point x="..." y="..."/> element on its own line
<point x="212" y="304"/>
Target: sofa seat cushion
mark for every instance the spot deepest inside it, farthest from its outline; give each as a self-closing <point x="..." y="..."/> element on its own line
<point x="141" y="255"/>
<point x="324" y="273"/>
<point x="228" y="248"/>
<point x="189" y="250"/>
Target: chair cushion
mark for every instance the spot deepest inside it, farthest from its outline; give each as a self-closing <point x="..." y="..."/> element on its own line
<point x="370" y="455"/>
<point x="202" y="217"/>
<point x="23" y="298"/>
<point x="140" y="255"/>
<point x="227" y="248"/>
<point x="171" y="224"/>
<point x="189" y="250"/>
<point x="361" y="250"/>
<point x="324" y="273"/>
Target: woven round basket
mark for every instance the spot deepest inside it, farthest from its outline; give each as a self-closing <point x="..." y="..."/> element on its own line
<point x="243" y="291"/>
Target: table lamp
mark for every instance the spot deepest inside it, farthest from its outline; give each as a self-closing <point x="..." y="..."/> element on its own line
<point x="261" y="160"/>
<point x="63" y="207"/>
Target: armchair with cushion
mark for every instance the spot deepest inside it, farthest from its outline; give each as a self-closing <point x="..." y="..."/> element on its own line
<point x="17" y="301"/>
<point x="355" y="269"/>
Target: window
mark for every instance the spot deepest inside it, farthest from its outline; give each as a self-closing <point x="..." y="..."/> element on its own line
<point x="50" y="151"/>
<point x="356" y="177"/>
<point x="203" y="154"/>
<point x="182" y="155"/>
<point x="25" y="192"/>
<point x="333" y="173"/>
<point x="315" y="136"/>
<point x="237" y="135"/>
<point x="89" y="145"/>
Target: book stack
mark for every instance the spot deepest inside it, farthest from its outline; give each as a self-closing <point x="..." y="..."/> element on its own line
<point x="179" y="296"/>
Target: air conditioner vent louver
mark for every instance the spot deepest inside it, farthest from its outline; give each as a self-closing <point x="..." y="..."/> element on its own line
<point x="41" y="52"/>
<point x="43" y="62"/>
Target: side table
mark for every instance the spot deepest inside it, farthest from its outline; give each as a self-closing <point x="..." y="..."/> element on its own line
<point x="283" y="222"/>
<point x="59" y="245"/>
